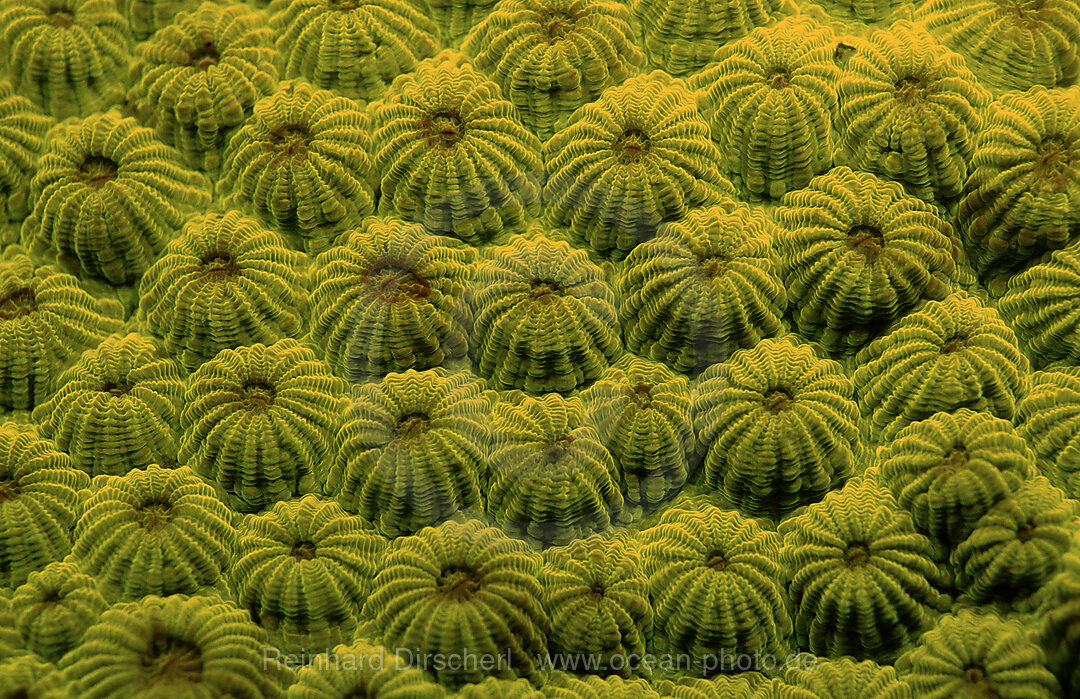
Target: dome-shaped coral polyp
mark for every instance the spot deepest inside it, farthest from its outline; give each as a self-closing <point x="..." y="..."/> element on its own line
<point x="412" y="450"/>
<point x="910" y="112"/>
<point x="352" y="48"/>
<point x="550" y="478"/>
<point x="301" y="163"/>
<point x="863" y="581"/>
<point x="951" y="468"/>
<point x="452" y="154"/>
<point x="776" y="426"/>
<point x="704" y="287"/>
<point x="260" y="421"/>
<point x="714" y="580"/>
<point x="54" y="607"/>
<point x="545" y="317"/>
<point x="200" y="76"/>
<point x="108" y="196"/>
<point x="857" y="253"/>
<point x="22" y="139"/>
<point x="1048" y="418"/>
<point x="199" y="646"/>
<point x="638" y="156"/>
<point x="948" y="354"/>
<point x="391" y="297"/>
<point x="38" y="503"/>
<point x="118" y="408"/>
<point x="225" y="282"/>
<point x="320" y="552"/>
<point x="154" y="531"/>
<point x="462" y="585"/>
<point x="770" y="99"/>
<point x="66" y="56"/>
<point x="1040" y="305"/>
<point x="641" y="413"/>
<point x="552" y="56"/>
<point x="46" y="318"/>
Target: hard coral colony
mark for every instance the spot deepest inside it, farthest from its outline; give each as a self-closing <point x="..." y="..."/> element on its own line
<point x="498" y="349"/>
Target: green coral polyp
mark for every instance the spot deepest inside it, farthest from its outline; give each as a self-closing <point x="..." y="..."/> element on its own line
<point x="259" y="421"/>
<point x="225" y="282"/>
<point x="199" y="78"/>
<point x="1040" y="305"/>
<point x="638" y="156"/>
<point x="545" y="317"/>
<point x="412" y="450"/>
<point x="702" y="288"/>
<point x="452" y="154"/>
<point x="22" y="139"/>
<point x="391" y="297"/>
<point x="54" y="608"/>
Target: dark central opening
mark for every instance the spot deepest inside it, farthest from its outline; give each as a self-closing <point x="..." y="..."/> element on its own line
<point x="154" y="514"/>
<point x="97" y="170"/>
<point x="343" y="5"/>
<point x="1026" y="531"/>
<point x="444" y="128"/>
<point x="596" y="592"/>
<point x="544" y="290"/>
<point x="116" y="388"/>
<point x="866" y="241"/>
<point x="777" y="78"/>
<point x="713" y="266"/>
<point x="956" y="457"/>
<point x="910" y="88"/>
<point x="9" y="489"/>
<point x="975" y="675"/>
<point x="556" y="24"/>
<point x="258" y="394"/>
<point x="856" y="554"/>
<point x="777" y="398"/>
<point x="204" y="55"/>
<point x="1054" y="160"/>
<point x="716" y="561"/>
<point x="18" y="303"/>
<point x="632" y="146"/>
<point x="60" y="17"/>
<point x="457" y="583"/>
<point x="412" y="425"/>
<point x="293" y="139"/>
<point x="303" y="550"/>
<point x="953" y="344"/>
<point x="173" y="660"/>
<point x="220" y="263"/>
<point x="640" y="394"/>
<point x="391" y="282"/>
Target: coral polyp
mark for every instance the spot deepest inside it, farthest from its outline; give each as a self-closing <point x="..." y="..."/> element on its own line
<point x="776" y="427"/>
<point x="910" y="112"/>
<point x="259" y="421"/>
<point x="46" y="319"/>
<point x="552" y="56"/>
<point x="856" y="253"/>
<point x="637" y="157"/>
<point x="1040" y="305"/>
<point x="353" y="48"/>
<point x="770" y="99"/>
<point x="225" y="282"/>
<point x="301" y="163"/>
<point x="1010" y="44"/>
<point x="551" y="480"/>
<point x="412" y="450"/>
<point x="54" y="608"/>
<point x="199" y="78"/>
<point x="1048" y="417"/>
<point x="108" y="196"/>
<point x="67" y="56"/>
<point x="452" y="154"/>
<point x="391" y="297"/>
<point x="146" y="17"/>
<point x="545" y="317"/>
<point x="118" y="408"/>
<point x="22" y="139"/>
<point x="702" y="288"/>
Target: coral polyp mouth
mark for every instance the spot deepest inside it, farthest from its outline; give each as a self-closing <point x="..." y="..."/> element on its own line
<point x="291" y="139"/>
<point x="173" y="660"/>
<point x="412" y="425"/>
<point x="444" y="128"/>
<point x="544" y="290"/>
<point x="393" y="282"/>
<point x="258" y="394"/>
<point x="60" y="17"/>
<point x="1054" y="160"/>
<point x="457" y="583"/>
<point x="18" y="303"/>
<point x="204" y="56"/>
<point x="867" y="241"/>
<point x="116" y="388"/>
<point x="716" y="561"/>
<point x="343" y="5"/>
<point x="96" y="170"/>
<point x="856" y="555"/>
<point x="219" y="263"/>
<point x="910" y="88"/>
<point x="641" y="395"/>
<point x="632" y="146"/>
<point x="304" y="551"/>
<point x="556" y="24"/>
<point x="778" y="78"/>
<point x="154" y="514"/>
<point x="9" y="489"/>
<point x="953" y="344"/>
<point x="777" y="399"/>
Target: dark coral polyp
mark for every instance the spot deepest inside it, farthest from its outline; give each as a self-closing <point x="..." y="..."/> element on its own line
<point x="61" y="17"/>
<point x="716" y="561"/>
<point x="777" y="399"/>
<point x="258" y="394"/>
<point x="444" y="128"/>
<point x="910" y="88"/>
<point x="867" y="241"/>
<point x="220" y="263"/>
<point x="292" y="139"/>
<point x="1054" y="162"/>
<point x="458" y="583"/>
<point x="173" y="659"/>
<point x="304" y="550"/>
<point x="856" y="554"/>
<point x="778" y="78"/>
<point x="97" y="170"/>
<point x="116" y="388"/>
<point x="205" y="55"/>
<point x="953" y="344"/>
<point x="18" y="303"/>
<point x="557" y="24"/>
<point x="632" y="146"/>
<point x="9" y="489"/>
<point x="544" y="290"/>
<point x="154" y="513"/>
<point x="412" y="425"/>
